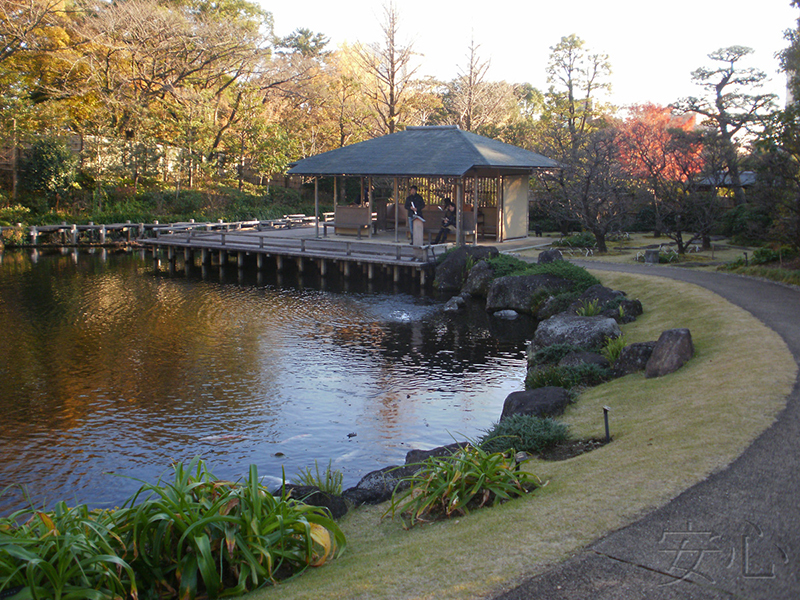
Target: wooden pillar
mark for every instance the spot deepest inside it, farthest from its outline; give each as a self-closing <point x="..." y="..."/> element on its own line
<point x="205" y="256"/>
<point x="369" y="204"/>
<point x="279" y="262"/>
<point x="396" y="274"/>
<point x="223" y="257"/>
<point x="34" y="235"/>
<point x="299" y="261"/>
<point x="240" y="259"/>
<point x="170" y="253"/>
<point x="323" y="267"/>
<point x="460" y="212"/>
<point x="370" y="271"/>
<point x="316" y="206"/>
<point x="422" y="277"/>
<point x="259" y="261"/>
<point x="347" y="268"/>
<point x="396" y="192"/>
<point x="475" y="211"/>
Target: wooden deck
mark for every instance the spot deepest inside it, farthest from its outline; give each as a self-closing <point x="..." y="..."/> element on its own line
<point x="302" y="245"/>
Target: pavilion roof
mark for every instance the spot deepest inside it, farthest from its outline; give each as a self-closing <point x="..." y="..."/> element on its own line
<point x="442" y="151"/>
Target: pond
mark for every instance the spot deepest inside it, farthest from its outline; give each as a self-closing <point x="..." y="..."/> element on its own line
<point x="111" y="368"/>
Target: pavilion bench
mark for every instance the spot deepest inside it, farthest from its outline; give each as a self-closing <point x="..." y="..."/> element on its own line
<point x="348" y="219"/>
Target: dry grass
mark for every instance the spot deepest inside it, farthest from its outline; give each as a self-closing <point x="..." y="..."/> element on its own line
<point x="668" y="433"/>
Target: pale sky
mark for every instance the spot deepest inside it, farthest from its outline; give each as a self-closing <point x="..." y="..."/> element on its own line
<point x="653" y="46"/>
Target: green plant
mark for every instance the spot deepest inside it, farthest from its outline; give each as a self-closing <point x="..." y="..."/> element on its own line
<point x="453" y="485"/>
<point x="330" y="481"/>
<point x="567" y="377"/>
<point x="589" y="308"/>
<point x="63" y="553"/>
<point x="199" y="535"/>
<point x="193" y="536"/>
<point x="526" y="433"/>
<point x="613" y="347"/>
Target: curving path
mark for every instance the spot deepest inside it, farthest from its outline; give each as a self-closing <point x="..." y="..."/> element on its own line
<point x="734" y="535"/>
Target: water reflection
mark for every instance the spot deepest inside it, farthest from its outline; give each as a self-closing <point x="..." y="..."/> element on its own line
<point x="111" y="365"/>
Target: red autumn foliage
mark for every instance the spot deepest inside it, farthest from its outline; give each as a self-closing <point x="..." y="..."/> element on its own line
<point x="649" y="149"/>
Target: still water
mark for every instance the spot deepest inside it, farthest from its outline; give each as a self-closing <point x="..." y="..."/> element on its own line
<point x="111" y="368"/>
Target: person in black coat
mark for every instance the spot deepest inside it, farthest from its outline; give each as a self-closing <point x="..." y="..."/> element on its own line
<point x="448" y="221"/>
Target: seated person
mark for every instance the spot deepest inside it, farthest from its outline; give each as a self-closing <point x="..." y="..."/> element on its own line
<point x="448" y="221"/>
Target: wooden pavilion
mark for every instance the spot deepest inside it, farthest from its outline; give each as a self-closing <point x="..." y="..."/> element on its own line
<point x="488" y="179"/>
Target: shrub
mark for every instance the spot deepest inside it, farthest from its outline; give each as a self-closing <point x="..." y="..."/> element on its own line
<point x="453" y="485"/>
<point x="583" y="239"/>
<point x="580" y="277"/>
<point x="567" y="377"/>
<point x="553" y="353"/>
<point x="524" y="433"/>
<point x="505" y="264"/>
<point x="329" y="482"/>
<point x="613" y="347"/>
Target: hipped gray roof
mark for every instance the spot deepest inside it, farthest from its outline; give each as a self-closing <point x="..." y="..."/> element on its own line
<point x="445" y="151"/>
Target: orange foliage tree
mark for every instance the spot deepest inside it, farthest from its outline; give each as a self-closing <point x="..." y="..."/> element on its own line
<point x="664" y="152"/>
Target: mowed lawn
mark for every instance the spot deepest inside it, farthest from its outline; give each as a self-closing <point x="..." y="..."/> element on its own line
<point x="668" y="434"/>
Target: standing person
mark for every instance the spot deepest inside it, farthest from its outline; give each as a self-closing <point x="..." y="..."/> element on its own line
<point x="448" y="221"/>
<point x="414" y="205"/>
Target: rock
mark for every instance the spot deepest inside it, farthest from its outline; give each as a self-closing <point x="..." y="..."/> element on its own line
<point x="478" y="280"/>
<point x="633" y="358"/>
<point x="586" y="332"/>
<point x="454" y="304"/>
<point x="575" y="359"/>
<point x="377" y="486"/>
<point x="548" y="401"/>
<point x="506" y="314"/>
<point x="549" y="256"/>
<point x="600" y="294"/>
<point x="630" y="310"/>
<point x="673" y="348"/>
<point x="313" y="496"/>
<point x="452" y="271"/>
<point x="516" y="292"/>
<point x="414" y="457"/>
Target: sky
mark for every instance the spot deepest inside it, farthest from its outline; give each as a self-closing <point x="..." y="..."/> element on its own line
<point x="653" y="47"/>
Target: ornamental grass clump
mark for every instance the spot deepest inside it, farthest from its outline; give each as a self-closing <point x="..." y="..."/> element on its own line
<point x="524" y="433"/>
<point x="193" y="536"/>
<point x="449" y="486"/>
<point x="330" y="481"/>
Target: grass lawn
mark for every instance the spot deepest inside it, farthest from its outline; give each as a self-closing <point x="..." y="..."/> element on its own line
<point x="626" y="250"/>
<point x="668" y="434"/>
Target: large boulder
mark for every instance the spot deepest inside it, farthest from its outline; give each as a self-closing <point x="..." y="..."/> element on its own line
<point x="479" y="280"/>
<point x="586" y="332"/>
<point x="549" y="401"/>
<point x="313" y="496"/>
<point x="452" y="271"/>
<point x="626" y="312"/>
<point x="517" y="292"/>
<point x="576" y="359"/>
<point x="377" y="486"/>
<point x="673" y="348"/>
<point x="414" y="457"/>
<point x="633" y="358"/>
<point x="549" y="256"/>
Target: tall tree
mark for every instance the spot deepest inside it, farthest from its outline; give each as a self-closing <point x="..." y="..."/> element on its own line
<point x="390" y="64"/>
<point x="572" y="132"/>
<point x="730" y="105"/>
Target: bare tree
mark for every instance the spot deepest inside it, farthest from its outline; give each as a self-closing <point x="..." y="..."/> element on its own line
<point x="390" y="64"/>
